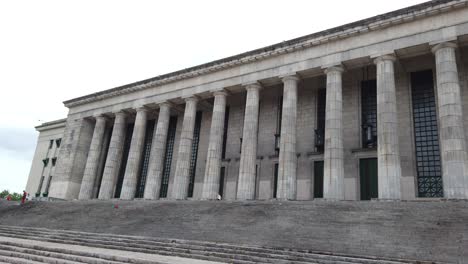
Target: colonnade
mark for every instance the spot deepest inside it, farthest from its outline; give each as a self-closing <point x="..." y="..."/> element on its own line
<point x="452" y="140"/>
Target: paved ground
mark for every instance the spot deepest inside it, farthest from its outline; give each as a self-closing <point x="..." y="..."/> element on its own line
<point x="427" y="230"/>
<point x="111" y="252"/>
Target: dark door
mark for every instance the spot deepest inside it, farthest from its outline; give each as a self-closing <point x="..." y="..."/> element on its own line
<point x="369" y="183"/>
<point x="221" y="182"/>
<point x="318" y="179"/>
<point x="275" y="180"/>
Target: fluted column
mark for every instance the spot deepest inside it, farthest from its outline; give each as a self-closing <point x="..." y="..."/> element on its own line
<point x="215" y="145"/>
<point x="158" y="150"/>
<point x="287" y="165"/>
<point x="388" y="151"/>
<point x="247" y="168"/>
<point x="452" y="134"/>
<point x="333" y="165"/>
<point x="114" y="157"/>
<point x="92" y="162"/>
<point x="182" y="173"/>
<point x="134" y="155"/>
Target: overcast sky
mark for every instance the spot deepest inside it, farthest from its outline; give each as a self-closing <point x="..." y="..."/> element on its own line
<point x="51" y="51"/>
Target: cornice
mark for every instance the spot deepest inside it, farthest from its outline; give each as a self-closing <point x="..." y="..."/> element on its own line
<point x="363" y="26"/>
<point x="51" y="125"/>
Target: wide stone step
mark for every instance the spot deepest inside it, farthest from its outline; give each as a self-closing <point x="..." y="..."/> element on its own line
<point x="98" y="257"/>
<point x="205" y="255"/>
<point x="11" y="260"/>
<point x="58" y="254"/>
<point x="339" y="258"/>
<point x="281" y="254"/>
<point x="164" y="253"/>
<point x="37" y="258"/>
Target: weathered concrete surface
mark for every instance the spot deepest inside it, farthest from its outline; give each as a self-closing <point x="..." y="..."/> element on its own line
<point x="135" y="155"/>
<point x="431" y="230"/>
<point x="215" y="147"/>
<point x="182" y="172"/>
<point x="333" y="163"/>
<point x="114" y="157"/>
<point x="132" y="256"/>
<point x="92" y="163"/>
<point x="452" y="132"/>
<point x="248" y="155"/>
<point x="388" y="149"/>
<point x="287" y="161"/>
<point x="158" y="149"/>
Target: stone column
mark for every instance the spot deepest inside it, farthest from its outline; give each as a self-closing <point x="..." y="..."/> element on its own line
<point x="247" y="168"/>
<point x="114" y="157"/>
<point x="134" y="155"/>
<point x="333" y="166"/>
<point x="215" y="146"/>
<point x="182" y="173"/>
<point x="92" y="163"/>
<point x="158" y="151"/>
<point x="388" y="151"/>
<point x="287" y="164"/>
<point x="452" y="134"/>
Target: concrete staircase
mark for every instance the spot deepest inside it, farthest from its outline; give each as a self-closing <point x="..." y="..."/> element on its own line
<point x="21" y="252"/>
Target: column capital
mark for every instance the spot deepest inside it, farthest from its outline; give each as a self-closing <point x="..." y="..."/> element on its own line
<point x="221" y="92"/>
<point x="442" y="45"/>
<point x="165" y="104"/>
<point x="290" y="77"/>
<point x="100" y="117"/>
<point x="142" y="109"/>
<point x="386" y="57"/>
<point x="336" y="68"/>
<point x="120" y="113"/>
<point x="252" y="85"/>
<point x="191" y="98"/>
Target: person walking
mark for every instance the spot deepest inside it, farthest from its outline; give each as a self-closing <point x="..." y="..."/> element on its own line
<point x="23" y="199"/>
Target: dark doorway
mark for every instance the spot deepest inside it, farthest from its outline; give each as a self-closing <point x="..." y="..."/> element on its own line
<point x="318" y="179"/>
<point x="221" y="182"/>
<point x="275" y="180"/>
<point x="369" y="181"/>
<point x="123" y="163"/>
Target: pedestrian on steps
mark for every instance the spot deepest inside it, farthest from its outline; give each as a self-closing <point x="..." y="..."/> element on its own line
<point x="23" y="199"/>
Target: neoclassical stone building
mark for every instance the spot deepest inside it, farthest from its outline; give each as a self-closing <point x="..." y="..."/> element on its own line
<point x="372" y="109"/>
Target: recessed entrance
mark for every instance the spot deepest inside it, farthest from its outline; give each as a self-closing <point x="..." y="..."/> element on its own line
<point x="318" y="179"/>
<point x="369" y="181"/>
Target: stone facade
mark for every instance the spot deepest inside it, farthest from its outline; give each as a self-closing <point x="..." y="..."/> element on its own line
<point x="304" y="119"/>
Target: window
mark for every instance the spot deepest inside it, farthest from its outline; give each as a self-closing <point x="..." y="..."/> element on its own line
<point x="318" y="179"/>
<point x="226" y="123"/>
<point x="275" y="180"/>
<point x="221" y="182"/>
<point x="39" y="188"/>
<point x="57" y="142"/>
<point x="45" y="162"/>
<point x="145" y="160"/>
<point x="320" y="130"/>
<point x="369" y="113"/>
<point x="168" y="156"/>
<point x="123" y="163"/>
<point x="193" y="159"/>
<point x="51" y="143"/>
<point x="240" y="147"/>
<point x="428" y="164"/>
<point x="48" y="185"/>
<point x="54" y="161"/>
<point x="279" y="114"/>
